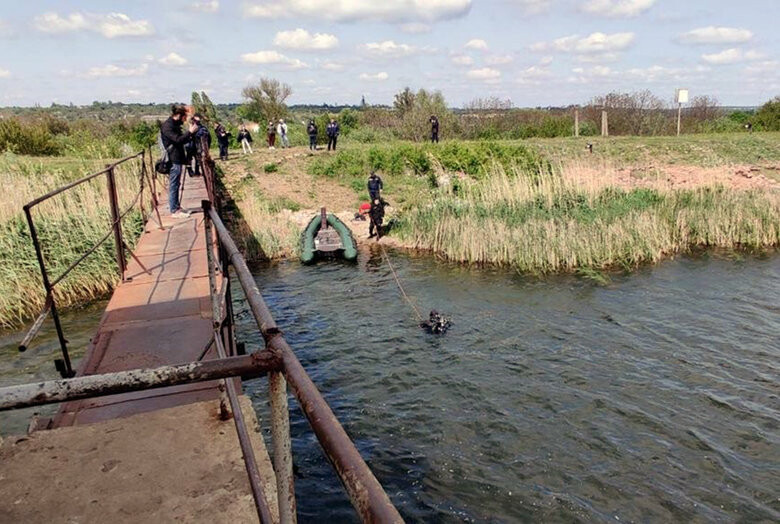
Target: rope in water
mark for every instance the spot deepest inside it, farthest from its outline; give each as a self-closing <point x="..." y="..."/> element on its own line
<point x="398" y="281"/>
<point x="395" y="275"/>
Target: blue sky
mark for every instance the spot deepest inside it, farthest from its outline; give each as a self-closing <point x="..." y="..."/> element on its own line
<point x="534" y="52"/>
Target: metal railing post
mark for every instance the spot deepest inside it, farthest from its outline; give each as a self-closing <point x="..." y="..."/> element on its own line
<point x="282" y="446"/>
<point x="65" y="368"/>
<point x="116" y="223"/>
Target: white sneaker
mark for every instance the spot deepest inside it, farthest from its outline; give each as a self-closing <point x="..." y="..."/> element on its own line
<point x="181" y="214"/>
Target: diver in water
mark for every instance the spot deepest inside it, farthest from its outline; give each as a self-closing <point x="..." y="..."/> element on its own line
<point x="437" y="324"/>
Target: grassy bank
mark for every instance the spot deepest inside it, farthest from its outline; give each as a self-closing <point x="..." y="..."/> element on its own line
<point x="560" y="222"/>
<point x="67" y="226"/>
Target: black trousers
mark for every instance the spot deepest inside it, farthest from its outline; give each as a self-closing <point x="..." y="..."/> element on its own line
<point x="434" y="137"/>
<point x="332" y="141"/>
<point x="312" y="141"/>
<point x="223" y="151"/>
<point x="374" y="224"/>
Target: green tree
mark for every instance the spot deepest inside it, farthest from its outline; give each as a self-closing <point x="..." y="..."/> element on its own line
<point x="265" y="101"/>
<point x="404" y="101"/>
<point x="768" y="116"/>
<point x="202" y="104"/>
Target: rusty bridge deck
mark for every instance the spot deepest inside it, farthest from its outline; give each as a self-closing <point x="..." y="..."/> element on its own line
<point x="157" y="454"/>
<point x="158" y="318"/>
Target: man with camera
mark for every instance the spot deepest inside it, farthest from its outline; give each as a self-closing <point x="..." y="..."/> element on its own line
<point x="174" y="140"/>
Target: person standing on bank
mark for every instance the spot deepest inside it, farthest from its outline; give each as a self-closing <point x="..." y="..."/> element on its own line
<point x="281" y="130"/>
<point x="271" y="130"/>
<point x="174" y="139"/>
<point x="245" y="139"/>
<point x="223" y="139"/>
<point x="434" y="129"/>
<point x="311" y="129"/>
<point x="374" y="186"/>
<point x="376" y="215"/>
<point x="333" y="131"/>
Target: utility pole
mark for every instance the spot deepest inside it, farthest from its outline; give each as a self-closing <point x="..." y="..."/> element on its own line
<point x="681" y="96"/>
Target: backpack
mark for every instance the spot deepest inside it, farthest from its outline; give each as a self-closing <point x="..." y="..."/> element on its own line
<point x="164" y="164"/>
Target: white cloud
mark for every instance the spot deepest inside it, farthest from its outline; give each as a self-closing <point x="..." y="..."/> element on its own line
<point x="361" y="10"/>
<point x="378" y="77"/>
<point x="731" y="56"/>
<point x="546" y="60"/>
<point x="415" y="28"/>
<point x="476" y="43"/>
<point x="656" y="73"/>
<point x="173" y="59"/>
<point x="599" y="71"/>
<point x="206" y="6"/>
<point x="4" y="73"/>
<point x="303" y="40"/>
<point x="716" y="35"/>
<point x="332" y="66"/>
<point x="534" y="6"/>
<point x="113" y="70"/>
<point x="499" y="60"/>
<point x="763" y="68"/>
<point x="617" y="8"/>
<point x="111" y="25"/>
<point x="594" y="43"/>
<point x="273" y="58"/>
<point x="533" y="75"/>
<point x="462" y="60"/>
<point x="388" y="49"/>
<point x="486" y="74"/>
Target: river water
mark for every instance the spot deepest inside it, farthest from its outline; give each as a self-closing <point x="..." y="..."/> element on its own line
<point x="652" y="398"/>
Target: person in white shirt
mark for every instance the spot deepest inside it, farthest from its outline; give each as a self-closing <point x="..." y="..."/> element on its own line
<point x="281" y="130"/>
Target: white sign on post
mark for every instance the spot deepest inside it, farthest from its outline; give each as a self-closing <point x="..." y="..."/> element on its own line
<point x="682" y="96"/>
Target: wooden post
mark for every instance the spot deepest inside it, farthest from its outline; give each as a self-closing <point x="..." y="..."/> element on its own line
<point x="576" y="122"/>
<point x="604" y="124"/>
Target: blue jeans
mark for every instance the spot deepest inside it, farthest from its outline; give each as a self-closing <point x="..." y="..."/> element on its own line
<point x="173" y="187"/>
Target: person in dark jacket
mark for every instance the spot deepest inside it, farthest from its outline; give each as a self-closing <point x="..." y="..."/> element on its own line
<point x="202" y="140"/>
<point x="223" y="139"/>
<point x="437" y="324"/>
<point x="312" y="130"/>
<point x="376" y="215"/>
<point x="333" y="130"/>
<point x="434" y="129"/>
<point x="374" y="186"/>
<point x="245" y="139"/>
<point x="174" y="140"/>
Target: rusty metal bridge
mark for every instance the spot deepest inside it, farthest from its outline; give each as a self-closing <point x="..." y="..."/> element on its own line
<point x="166" y="346"/>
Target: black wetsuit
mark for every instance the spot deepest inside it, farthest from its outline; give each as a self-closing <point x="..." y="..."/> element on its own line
<point x="377" y="216"/>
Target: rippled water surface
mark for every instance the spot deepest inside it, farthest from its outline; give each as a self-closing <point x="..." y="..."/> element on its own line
<point x="653" y="398"/>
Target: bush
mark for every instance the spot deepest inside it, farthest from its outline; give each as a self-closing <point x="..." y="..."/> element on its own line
<point x="270" y="168"/>
<point x="768" y="117"/>
<point x="27" y="139"/>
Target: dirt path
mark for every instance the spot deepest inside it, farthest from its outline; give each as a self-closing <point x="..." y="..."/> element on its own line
<point x="292" y="183"/>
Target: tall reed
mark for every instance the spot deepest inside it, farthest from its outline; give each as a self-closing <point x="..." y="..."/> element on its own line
<point x="557" y="221"/>
<point x="67" y="226"/>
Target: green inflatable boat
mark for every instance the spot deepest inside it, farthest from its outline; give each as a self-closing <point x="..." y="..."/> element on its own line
<point x="326" y="235"/>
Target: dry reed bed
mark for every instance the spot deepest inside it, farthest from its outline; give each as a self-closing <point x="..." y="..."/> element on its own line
<point x="67" y="225"/>
<point x="563" y="221"/>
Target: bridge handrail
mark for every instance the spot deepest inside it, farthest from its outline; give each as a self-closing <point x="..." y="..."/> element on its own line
<point x="364" y="490"/>
<point x="50" y="305"/>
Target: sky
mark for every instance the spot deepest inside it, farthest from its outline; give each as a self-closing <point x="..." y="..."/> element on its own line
<point x="533" y="52"/>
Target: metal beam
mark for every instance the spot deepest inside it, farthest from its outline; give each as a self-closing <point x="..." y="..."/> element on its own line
<point x="256" y="364"/>
<point x="366" y="494"/>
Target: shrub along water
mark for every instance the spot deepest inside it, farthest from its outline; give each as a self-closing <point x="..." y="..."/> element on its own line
<point x="68" y="225"/>
<point x="551" y="222"/>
